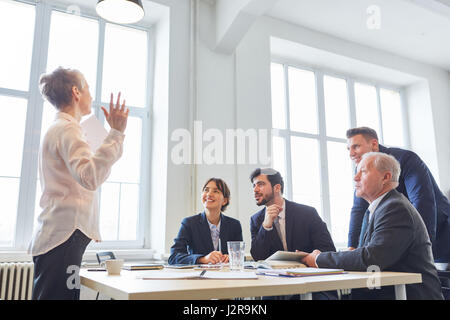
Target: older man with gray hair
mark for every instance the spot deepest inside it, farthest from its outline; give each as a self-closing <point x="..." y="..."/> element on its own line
<point x="393" y="236"/>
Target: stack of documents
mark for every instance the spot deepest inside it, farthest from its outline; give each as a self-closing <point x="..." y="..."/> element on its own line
<point x="180" y="266"/>
<point x="279" y="264"/>
<point x="198" y="275"/>
<point x="216" y="266"/>
<point x="145" y="266"/>
<point x="299" y="272"/>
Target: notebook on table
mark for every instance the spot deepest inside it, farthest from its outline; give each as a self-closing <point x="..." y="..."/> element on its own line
<point x="299" y="272"/>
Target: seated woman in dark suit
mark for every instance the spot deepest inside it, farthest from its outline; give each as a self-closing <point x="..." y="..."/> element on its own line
<point x="198" y="241"/>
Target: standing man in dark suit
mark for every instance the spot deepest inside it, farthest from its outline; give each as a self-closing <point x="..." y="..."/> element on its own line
<point x="282" y="224"/>
<point x="394" y="237"/>
<point x="415" y="182"/>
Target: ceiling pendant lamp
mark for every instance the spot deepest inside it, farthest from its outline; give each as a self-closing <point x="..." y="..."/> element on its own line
<point x="120" y="11"/>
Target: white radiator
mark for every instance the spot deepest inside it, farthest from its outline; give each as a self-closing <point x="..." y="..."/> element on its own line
<point x="16" y="280"/>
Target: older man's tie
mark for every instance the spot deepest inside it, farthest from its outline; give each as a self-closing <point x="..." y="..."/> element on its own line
<point x="365" y="223"/>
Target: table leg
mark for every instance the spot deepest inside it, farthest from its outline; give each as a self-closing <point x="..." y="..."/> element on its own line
<point x="400" y="292"/>
<point x="306" y="296"/>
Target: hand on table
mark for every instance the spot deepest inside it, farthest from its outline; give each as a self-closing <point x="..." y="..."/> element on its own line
<point x="310" y="258"/>
<point x="213" y="258"/>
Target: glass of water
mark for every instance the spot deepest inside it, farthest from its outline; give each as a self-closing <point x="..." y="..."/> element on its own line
<point x="236" y="254"/>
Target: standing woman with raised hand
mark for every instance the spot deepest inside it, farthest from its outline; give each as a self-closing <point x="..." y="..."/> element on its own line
<point x="70" y="175"/>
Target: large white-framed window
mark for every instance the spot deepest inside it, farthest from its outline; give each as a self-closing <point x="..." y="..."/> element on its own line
<point x="311" y="111"/>
<point x="38" y="37"/>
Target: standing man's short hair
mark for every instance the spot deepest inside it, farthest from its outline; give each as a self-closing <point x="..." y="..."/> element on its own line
<point x="368" y="133"/>
<point x="273" y="176"/>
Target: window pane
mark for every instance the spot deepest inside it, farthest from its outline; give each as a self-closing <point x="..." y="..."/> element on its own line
<point x="74" y="44"/>
<point x="128" y="167"/>
<point x="341" y="190"/>
<point x="391" y="112"/>
<point x="302" y="100"/>
<point x="336" y="106"/>
<point x="12" y="131"/>
<point x="279" y="157"/>
<point x="125" y="64"/>
<point x="119" y="207"/>
<point x="119" y="211"/>
<point x="9" y="197"/>
<point x="16" y="37"/>
<point x="109" y="211"/>
<point x="48" y="116"/>
<point x="129" y="209"/>
<point x="366" y="106"/>
<point x="278" y="96"/>
<point x="305" y="172"/>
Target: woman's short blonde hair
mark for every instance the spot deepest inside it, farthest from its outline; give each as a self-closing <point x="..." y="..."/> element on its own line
<point x="56" y="87"/>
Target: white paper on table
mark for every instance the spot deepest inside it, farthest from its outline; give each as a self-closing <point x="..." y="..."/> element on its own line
<point x="151" y="275"/>
<point x="95" y="132"/>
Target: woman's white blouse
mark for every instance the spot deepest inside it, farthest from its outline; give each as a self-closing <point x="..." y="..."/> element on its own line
<point x="70" y="175"/>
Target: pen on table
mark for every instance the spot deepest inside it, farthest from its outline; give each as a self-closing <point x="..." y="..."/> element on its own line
<point x="220" y="250"/>
<point x="96" y="269"/>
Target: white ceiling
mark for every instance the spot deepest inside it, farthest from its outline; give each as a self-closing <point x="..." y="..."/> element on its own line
<point x="416" y="29"/>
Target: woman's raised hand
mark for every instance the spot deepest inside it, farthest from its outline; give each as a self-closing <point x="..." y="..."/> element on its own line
<point x="118" y="115"/>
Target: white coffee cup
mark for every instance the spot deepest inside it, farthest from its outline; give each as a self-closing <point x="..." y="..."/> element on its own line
<point x="114" y="266"/>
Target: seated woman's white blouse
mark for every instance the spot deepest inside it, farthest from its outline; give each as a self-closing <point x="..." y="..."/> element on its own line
<point x="70" y="174"/>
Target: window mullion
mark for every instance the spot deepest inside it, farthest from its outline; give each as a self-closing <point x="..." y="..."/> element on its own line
<point x="118" y="217"/>
<point x="351" y="102"/>
<point x="146" y="145"/>
<point x="405" y="117"/>
<point x="380" y="116"/>
<point x="99" y="80"/>
<point x="323" y="155"/>
<point x="352" y="107"/>
<point x="14" y="93"/>
<point x="27" y="191"/>
<point x="288" y="156"/>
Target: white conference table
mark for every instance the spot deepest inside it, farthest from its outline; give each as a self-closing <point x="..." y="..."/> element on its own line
<point x="127" y="286"/>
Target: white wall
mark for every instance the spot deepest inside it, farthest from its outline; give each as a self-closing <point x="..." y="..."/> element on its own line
<point x="439" y="83"/>
<point x="159" y="135"/>
<point x="170" y="198"/>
